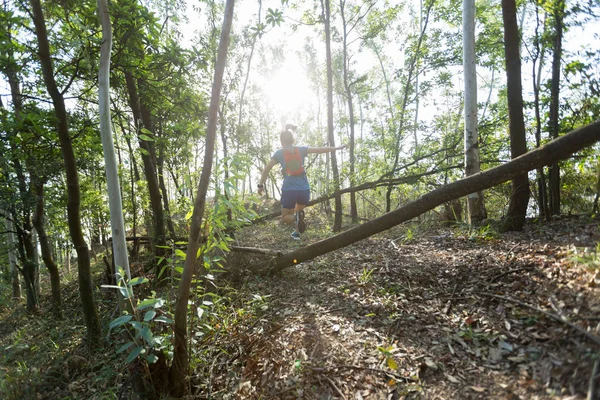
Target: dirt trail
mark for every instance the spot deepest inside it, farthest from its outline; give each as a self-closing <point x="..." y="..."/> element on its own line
<point x="389" y="319"/>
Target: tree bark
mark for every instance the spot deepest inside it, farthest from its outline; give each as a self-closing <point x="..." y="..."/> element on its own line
<point x="38" y="222"/>
<point x="517" y="209"/>
<point x="86" y="289"/>
<point x="552" y="152"/>
<point x="475" y="204"/>
<point x="30" y="270"/>
<point x="179" y="371"/>
<point x="348" y="90"/>
<point x="544" y="209"/>
<point x="160" y="161"/>
<point x="141" y="121"/>
<point x="117" y="225"/>
<point x="337" y="221"/>
<point x="554" y="176"/>
<point x="12" y="260"/>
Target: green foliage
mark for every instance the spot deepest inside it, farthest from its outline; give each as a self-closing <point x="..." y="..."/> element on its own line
<point x="366" y="276"/>
<point x="146" y="334"/>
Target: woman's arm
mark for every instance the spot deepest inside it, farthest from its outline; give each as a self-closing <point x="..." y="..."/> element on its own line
<point x="321" y="150"/>
<point x="265" y="174"/>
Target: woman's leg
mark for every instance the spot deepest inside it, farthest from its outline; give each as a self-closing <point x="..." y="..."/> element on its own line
<point x="287" y="216"/>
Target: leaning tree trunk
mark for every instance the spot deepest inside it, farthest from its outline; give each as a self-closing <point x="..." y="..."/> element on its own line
<point x="554" y="175"/>
<point x="337" y="222"/>
<point x="517" y="210"/>
<point x="552" y="152"/>
<point x="38" y="222"/>
<point x="180" y="368"/>
<point x="86" y="289"/>
<point x="475" y="204"/>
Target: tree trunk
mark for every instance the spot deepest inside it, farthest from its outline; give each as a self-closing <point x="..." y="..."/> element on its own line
<point x="180" y="368"/>
<point x="348" y="90"/>
<point x="12" y="260"/>
<point x="142" y="122"/>
<point x="517" y="210"/>
<point x="28" y="270"/>
<point x="38" y="222"/>
<point x="160" y="161"/>
<point x="475" y="204"/>
<point x="86" y="289"/>
<point x="544" y="209"/>
<point x="550" y="153"/>
<point x="24" y="227"/>
<point x="134" y="176"/>
<point x="117" y="225"/>
<point x="337" y="222"/>
<point x="554" y="178"/>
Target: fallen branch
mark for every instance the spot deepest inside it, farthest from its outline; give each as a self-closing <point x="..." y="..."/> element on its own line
<point x="589" y="335"/>
<point x="335" y="387"/>
<point x="256" y="250"/>
<point x="550" y="153"/>
<point x="512" y="271"/>
<point x="364" y="186"/>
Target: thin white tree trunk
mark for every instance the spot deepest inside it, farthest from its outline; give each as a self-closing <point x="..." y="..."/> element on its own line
<point x="476" y="211"/>
<point x="112" y="176"/>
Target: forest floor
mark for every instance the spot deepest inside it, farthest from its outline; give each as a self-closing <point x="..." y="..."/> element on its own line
<point x="417" y="312"/>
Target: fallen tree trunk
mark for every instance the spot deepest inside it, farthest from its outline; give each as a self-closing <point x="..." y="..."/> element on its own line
<point x="364" y="186"/>
<point x="552" y="152"/>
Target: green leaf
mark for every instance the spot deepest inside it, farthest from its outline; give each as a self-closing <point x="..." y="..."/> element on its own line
<point x="180" y="253"/>
<point x="392" y="363"/>
<point x="133" y="355"/>
<point x="136" y="325"/>
<point x="125" y="347"/>
<point x="144" y="151"/>
<point x="164" y="319"/>
<point x="147" y="335"/>
<point x="162" y="271"/>
<point x="137" y="281"/>
<point x="149" y="316"/>
<point x="123" y="319"/>
<point x="156" y="303"/>
<point x="146" y="138"/>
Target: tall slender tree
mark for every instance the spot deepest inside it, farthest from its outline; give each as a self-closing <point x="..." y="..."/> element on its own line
<point x="86" y="290"/>
<point x="112" y="172"/>
<point x="326" y="12"/>
<point x="475" y="203"/>
<point x="558" y="14"/>
<point x="39" y="223"/>
<point x="181" y="363"/>
<point x="517" y="210"/>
